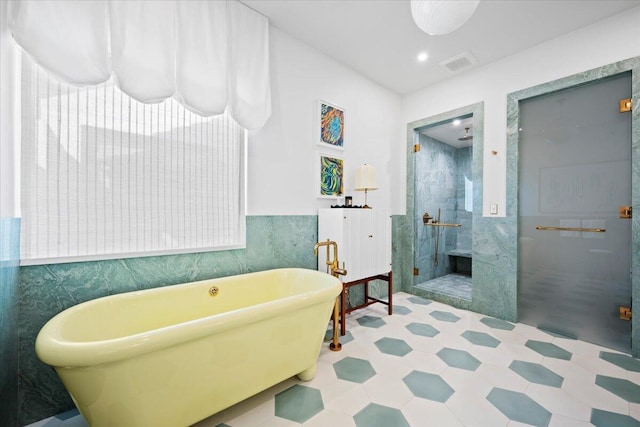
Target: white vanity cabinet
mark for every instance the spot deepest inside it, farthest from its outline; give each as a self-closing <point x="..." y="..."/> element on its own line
<point x="363" y="237"/>
<point x="364" y="246"/>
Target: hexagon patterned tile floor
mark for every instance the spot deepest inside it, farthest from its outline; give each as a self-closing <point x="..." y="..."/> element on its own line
<point x="434" y="365"/>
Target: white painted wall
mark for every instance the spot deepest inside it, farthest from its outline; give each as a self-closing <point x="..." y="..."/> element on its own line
<point x="282" y="155"/>
<point x="599" y="44"/>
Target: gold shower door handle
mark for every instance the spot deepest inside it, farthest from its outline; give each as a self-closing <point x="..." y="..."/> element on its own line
<point x="582" y="230"/>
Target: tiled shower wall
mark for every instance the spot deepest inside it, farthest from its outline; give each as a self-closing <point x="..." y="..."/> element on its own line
<point x="45" y="290"/>
<point x="440" y="184"/>
<point x="464" y="159"/>
<point x="435" y="189"/>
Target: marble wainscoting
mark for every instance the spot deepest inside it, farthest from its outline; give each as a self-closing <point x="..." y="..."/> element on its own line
<point x="45" y="290"/>
<point x="9" y="267"/>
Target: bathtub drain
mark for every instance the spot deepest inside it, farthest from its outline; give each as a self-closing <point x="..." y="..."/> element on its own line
<point x="213" y="291"/>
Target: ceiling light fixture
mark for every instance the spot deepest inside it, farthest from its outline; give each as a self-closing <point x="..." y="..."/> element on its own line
<point x="423" y="56"/>
<point x="456" y="122"/>
<point x="467" y="136"/>
<point x="438" y="17"/>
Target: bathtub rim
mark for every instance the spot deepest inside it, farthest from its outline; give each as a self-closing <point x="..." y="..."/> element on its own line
<point x="55" y="351"/>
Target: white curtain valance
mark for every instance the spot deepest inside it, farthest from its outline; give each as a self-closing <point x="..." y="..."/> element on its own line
<point x="211" y="56"/>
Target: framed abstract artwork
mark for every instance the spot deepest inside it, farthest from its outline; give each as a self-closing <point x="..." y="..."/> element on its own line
<point x="331" y="125"/>
<point x="330" y="176"/>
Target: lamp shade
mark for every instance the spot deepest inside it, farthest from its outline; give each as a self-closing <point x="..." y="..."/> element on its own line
<point x="437" y="17"/>
<point x="366" y="178"/>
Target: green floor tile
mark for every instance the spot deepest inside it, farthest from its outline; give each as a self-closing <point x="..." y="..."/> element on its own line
<point x="419" y="300"/>
<point x="458" y="359"/>
<point x="428" y="386"/>
<point x="399" y="309"/>
<point x="445" y="316"/>
<point x="548" y="349"/>
<point x="494" y="323"/>
<point x="601" y="418"/>
<point x="622" y="388"/>
<point x="347" y="337"/>
<point x="374" y="415"/>
<point x="422" y="329"/>
<point x="393" y="346"/>
<point x="480" y="338"/>
<point x="519" y="407"/>
<point x="536" y="373"/>
<point x="354" y="369"/>
<point x="371" y="321"/>
<point x="621" y="360"/>
<point x="298" y="403"/>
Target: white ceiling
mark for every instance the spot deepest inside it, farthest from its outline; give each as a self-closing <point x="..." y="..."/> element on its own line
<point x="450" y="132"/>
<point x="379" y="39"/>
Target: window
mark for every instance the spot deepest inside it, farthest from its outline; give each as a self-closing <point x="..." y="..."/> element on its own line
<point x="104" y="176"/>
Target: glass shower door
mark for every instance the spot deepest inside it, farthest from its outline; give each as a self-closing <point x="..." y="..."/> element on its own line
<point x="574" y="186"/>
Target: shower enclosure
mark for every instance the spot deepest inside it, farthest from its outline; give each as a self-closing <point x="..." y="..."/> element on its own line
<point x="574" y="218"/>
<point x="443" y="191"/>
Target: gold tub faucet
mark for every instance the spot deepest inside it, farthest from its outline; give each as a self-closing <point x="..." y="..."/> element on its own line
<point x="334" y="264"/>
<point x="335" y="271"/>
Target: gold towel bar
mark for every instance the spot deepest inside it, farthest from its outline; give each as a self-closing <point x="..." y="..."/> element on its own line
<point x="437" y="224"/>
<point x="584" y="230"/>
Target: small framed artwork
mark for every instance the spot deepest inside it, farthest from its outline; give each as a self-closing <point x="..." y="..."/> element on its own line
<point x="330" y="176"/>
<point x="331" y="125"/>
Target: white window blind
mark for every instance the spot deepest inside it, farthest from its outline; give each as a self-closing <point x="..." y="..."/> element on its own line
<point x="105" y="176"/>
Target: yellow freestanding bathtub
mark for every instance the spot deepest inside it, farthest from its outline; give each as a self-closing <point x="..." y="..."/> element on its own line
<point x="172" y="356"/>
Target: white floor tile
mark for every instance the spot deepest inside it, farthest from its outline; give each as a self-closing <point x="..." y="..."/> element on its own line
<point x="634" y="410"/>
<point x="330" y="418"/>
<point x="336" y="389"/>
<point x="388" y="391"/>
<point x="276" y="422"/>
<point x="595" y="396"/>
<point x="389" y="365"/>
<point x="467" y="382"/>
<point x="502" y="377"/>
<point x="475" y="411"/>
<point x="421" y="412"/>
<point x="561" y="421"/>
<point x="598" y="366"/>
<point x="425" y="362"/>
<point x="559" y="402"/>
<point x="350" y="402"/>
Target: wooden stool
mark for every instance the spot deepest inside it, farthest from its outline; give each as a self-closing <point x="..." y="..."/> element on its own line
<point x="368" y="300"/>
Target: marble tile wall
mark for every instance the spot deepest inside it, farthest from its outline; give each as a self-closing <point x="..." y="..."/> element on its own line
<point x="45" y="290"/>
<point x="435" y="189"/>
<point x="464" y="159"/>
<point x="9" y="267"/>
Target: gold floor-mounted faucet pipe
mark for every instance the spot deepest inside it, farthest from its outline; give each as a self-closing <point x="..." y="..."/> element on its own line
<point x="333" y="269"/>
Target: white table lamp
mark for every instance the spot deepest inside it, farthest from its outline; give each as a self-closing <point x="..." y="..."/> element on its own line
<point x="365" y="181"/>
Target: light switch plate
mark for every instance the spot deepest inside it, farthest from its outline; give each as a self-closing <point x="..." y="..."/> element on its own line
<point x="493" y="209"/>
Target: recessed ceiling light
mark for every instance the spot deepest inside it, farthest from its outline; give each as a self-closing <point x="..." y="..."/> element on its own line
<point x="422" y="56"/>
<point x="456" y="122"/>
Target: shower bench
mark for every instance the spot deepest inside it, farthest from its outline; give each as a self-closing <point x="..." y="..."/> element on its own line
<point x="454" y="257"/>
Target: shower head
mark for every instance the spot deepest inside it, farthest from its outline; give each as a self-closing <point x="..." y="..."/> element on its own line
<point x="466" y="136"/>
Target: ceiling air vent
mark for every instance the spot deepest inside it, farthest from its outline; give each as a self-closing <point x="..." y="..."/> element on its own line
<point x="458" y="62"/>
